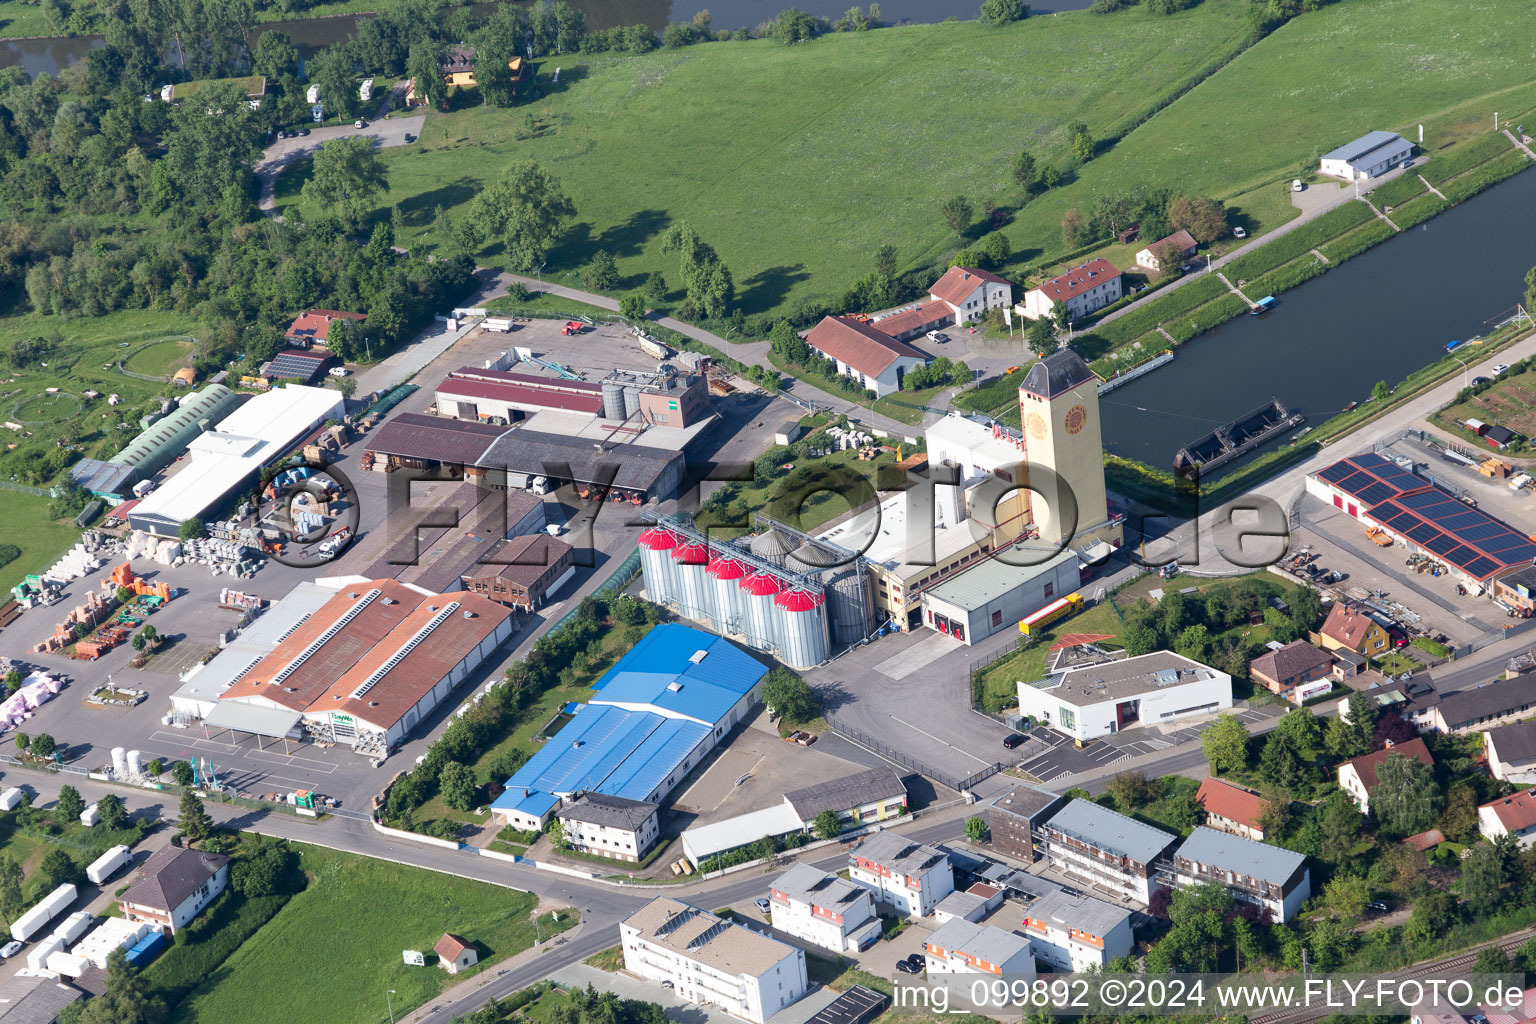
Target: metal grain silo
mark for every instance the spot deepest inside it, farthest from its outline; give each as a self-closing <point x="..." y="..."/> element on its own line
<point x="727" y="603"/>
<point x="759" y="589"/>
<point x="851" y="611"/>
<point x="656" y="546"/>
<point x="692" y="594"/>
<point x="631" y="400"/>
<point x="774" y="545"/>
<point x="802" y="621"/>
<point x="613" y="400"/>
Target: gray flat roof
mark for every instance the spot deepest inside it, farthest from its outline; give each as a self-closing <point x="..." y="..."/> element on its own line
<point x="1363" y="145"/>
<point x="806" y="884"/>
<point x="252" y="718"/>
<point x="846" y="793"/>
<point x="1081" y="912"/>
<point x="1244" y="856"/>
<point x="1026" y="801"/>
<point x="1119" y="680"/>
<point x="982" y="941"/>
<point x="992" y="578"/>
<point x="1107" y="830"/>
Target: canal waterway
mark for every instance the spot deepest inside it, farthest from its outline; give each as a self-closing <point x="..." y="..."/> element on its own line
<point x="1380" y="316"/>
<point x="53" y="53"/>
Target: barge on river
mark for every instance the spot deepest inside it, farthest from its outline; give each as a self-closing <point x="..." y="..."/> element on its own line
<point x="1236" y="439"/>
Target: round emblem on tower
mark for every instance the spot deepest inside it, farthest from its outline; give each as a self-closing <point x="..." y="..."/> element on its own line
<point x="1077" y="418"/>
<point x="1036" y="425"/>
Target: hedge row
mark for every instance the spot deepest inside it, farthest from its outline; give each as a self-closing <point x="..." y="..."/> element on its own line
<point x="201" y="947"/>
<point x="1198" y="321"/>
<point x="1490" y="173"/>
<point x="1289" y="246"/>
<point x="1397" y="191"/>
<point x="1357" y="241"/>
<point x="1416" y="211"/>
<point x="1464" y="157"/>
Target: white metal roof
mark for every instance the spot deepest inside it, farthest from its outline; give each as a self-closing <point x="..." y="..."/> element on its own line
<point x="263" y="721"/>
<point x="707" y="840"/>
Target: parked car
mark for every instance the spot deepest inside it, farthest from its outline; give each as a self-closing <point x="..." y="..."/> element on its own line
<point x="303" y="131"/>
<point x="907" y="967"/>
<point x="1297" y="186"/>
<point x="1169" y="571"/>
<point x="1479" y="379"/>
<point x="9" y="950"/>
<point x="339" y="371"/>
<point x="359" y="123"/>
<point x="762" y="904"/>
<point x="917" y="960"/>
<point x="1012" y="740"/>
<point x="1378" y="906"/>
<point x="1239" y="232"/>
<point x="409" y="137"/>
<point x="1499" y="368"/>
<point x="666" y="983"/>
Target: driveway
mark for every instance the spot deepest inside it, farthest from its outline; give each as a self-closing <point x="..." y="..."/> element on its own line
<point x="286" y="151"/>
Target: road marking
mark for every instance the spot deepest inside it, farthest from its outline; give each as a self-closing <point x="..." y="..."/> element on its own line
<point x="948" y="744"/>
<point x="287" y="761"/>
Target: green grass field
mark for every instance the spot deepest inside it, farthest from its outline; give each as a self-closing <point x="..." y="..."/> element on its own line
<point x="333" y="950"/>
<point x="798" y="162"/>
<point x="161" y="357"/>
<point x="24" y="522"/>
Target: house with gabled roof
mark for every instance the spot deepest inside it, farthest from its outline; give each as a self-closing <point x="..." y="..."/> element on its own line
<point x="1233" y="809"/>
<point x="969" y="292"/>
<point x="1357" y="776"/>
<point x="1083" y="289"/>
<point x="862" y="351"/>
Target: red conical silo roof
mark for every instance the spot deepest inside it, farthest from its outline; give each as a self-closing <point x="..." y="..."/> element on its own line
<point x="723" y="567"/>
<point x="799" y="600"/>
<point x="762" y="584"/>
<point x="658" y="539"/>
<point x="691" y="553"/>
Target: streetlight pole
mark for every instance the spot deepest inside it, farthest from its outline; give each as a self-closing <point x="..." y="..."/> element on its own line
<point x="391" y="1004"/>
<point x="540" y="273"/>
<point x="1464" y="381"/>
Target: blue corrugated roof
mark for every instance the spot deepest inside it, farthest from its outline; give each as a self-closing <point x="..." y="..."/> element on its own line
<point x="646" y="770"/>
<point x="708" y="688"/>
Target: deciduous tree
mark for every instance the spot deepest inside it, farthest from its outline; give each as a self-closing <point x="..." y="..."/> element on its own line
<point x="1002" y="12"/>
<point x="456" y="782"/>
<point x="526" y="210"/>
<point x="348" y="177"/>
<point x="1406" y="798"/>
<point x="958" y="213"/>
<point x="113" y="814"/>
<point x="1225" y="743"/>
<point x="1041" y="337"/>
<point x="827" y="826"/>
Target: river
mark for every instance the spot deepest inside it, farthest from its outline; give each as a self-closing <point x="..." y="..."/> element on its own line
<point x="1379" y="316"/>
<point x="52" y="53"/>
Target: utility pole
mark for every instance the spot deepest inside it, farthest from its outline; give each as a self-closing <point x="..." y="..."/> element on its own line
<point x="391" y="1003"/>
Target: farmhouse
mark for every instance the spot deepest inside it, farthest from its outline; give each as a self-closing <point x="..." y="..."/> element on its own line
<point x="1372" y="154"/>
<point x="1357" y="777"/>
<point x="862" y="351"/>
<point x="1081" y="290"/>
<point x="1181" y="240"/>
<point x="1089" y="701"/>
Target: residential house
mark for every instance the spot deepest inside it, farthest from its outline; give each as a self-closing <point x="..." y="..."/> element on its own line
<point x="860" y="350"/>
<point x="959" y="946"/>
<point x="859" y="799"/>
<point x="1513" y="815"/>
<point x="1495" y="703"/>
<point x="1350" y="627"/>
<point x="824" y="910"/>
<point x="906" y="876"/>
<point x="1231" y="808"/>
<point x="1014" y="819"/>
<point x="1414" y="699"/>
<point x="1073" y="932"/>
<point x="1357" y="777"/>
<point x="969" y="292"/>
<point x="708" y="960"/>
<point x="1511" y="753"/>
<point x="1347" y="665"/>
<point x="1372" y="154"/>
<point x="455" y="954"/>
<point x="1082" y="290"/>
<point x="1181" y="239"/>
<point x="174" y="886"/>
<point x="459" y="63"/>
<point x="1296" y="664"/>
<point x="1106" y="849"/>
<point x="610" y="826"/>
<point x="1257" y="873"/>
<point x="313" y="326"/>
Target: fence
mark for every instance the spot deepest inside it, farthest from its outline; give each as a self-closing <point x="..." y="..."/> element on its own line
<point x="906" y="760"/>
<point x="41" y="492"/>
<point x="615" y="581"/>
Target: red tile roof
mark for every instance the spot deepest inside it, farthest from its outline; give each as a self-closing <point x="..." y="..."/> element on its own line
<point x="450" y="946"/>
<point x="1294" y="659"/>
<point x="958" y="283"/>
<point x="1348" y="624"/>
<point x="929" y="314"/>
<point x="1231" y="802"/>
<point x="859" y="345"/>
<point x="313" y="324"/>
<point x="1079" y="280"/>
<point x="1516" y="812"/>
<point x="1366" y="766"/>
<point x="1425" y="840"/>
<point x="1181" y="238"/>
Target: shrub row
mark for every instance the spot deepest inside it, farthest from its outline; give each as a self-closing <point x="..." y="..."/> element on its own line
<point x="1490" y="173"/>
<point x="1289" y="246"/>
<point x="1464" y="157"/>
<point x="1397" y="191"/>
<point x="1348" y="246"/>
<point x="1212" y="314"/>
<point x="1416" y="211"/>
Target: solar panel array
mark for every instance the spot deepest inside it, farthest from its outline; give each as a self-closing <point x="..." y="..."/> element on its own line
<point x="298" y="365"/>
<point x="1412" y="507"/>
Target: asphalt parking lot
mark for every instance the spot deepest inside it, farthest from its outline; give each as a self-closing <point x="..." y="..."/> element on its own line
<point x="1060" y="760"/>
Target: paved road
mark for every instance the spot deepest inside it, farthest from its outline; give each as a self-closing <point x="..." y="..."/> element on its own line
<point x="286" y="151"/>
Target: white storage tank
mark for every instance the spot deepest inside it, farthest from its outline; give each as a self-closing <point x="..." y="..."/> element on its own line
<point x="656" y="547"/>
<point x="37" y="957"/>
<point x="135" y="764"/>
<point x="73" y="926"/>
<point x="727" y="601"/>
<point x="91" y="815"/>
<point x="802" y="620"/>
<point x="35" y="920"/>
<point x="120" y="762"/>
<point x="758" y="590"/>
<point x="692" y="594"/>
<point x="10" y="799"/>
<point x="108" y="864"/>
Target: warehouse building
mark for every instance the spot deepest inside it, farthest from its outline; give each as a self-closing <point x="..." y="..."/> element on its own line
<point x="1100" y="699"/>
<point x="366" y="667"/>
<point x="656" y="714"/>
<point x="1371" y="155"/>
<point x="708" y="960"/>
<point x="992" y="597"/>
<point x="500" y="396"/>
<point x="522" y="572"/>
<point x="158" y="445"/>
<point x="1422" y="517"/>
<point x="229" y="457"/>
<point x="859" y="799"/>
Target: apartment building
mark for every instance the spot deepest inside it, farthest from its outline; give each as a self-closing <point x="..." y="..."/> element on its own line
<point x="959" y="946"/>
<point x="1253" y="872"/>
<point x="610" y="826"/>
<point x="1103" y="848"/>
<point x="711" y="961"/>
<point x="905" y="876"/>
<point x="824" y="910"/>
<point x="1075" y="932"/>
